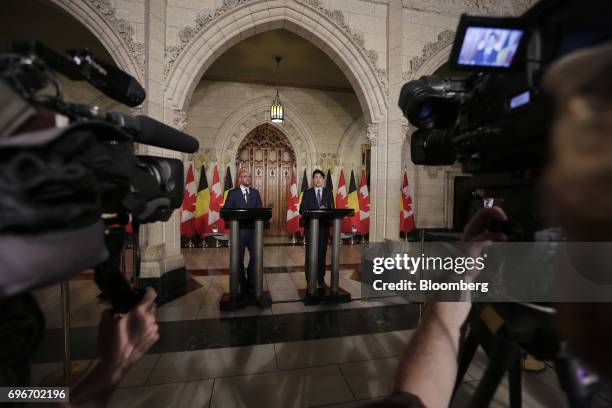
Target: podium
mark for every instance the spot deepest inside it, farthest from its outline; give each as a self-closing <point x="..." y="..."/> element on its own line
<point x="314" y="218"/>
<point x="257" y="217"/>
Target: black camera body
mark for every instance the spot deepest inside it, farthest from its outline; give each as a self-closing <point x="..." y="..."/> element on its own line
<point x="495" y="121"/>
<point x="66" y="165"/>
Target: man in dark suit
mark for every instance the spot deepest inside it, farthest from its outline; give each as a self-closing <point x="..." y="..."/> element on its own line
<point x="487" y="55"/>
<point x="317" y="197"/>
<point x="245" y="196"/>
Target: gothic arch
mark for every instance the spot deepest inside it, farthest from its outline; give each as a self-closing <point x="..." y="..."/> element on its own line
<point x="435" y="54"/>
<point x="354" y="133"/>
<point x="116" y="35"/>
<point x="256" y="112"/>
<point x="435" y="61"/>
<point x="303" y="19"/>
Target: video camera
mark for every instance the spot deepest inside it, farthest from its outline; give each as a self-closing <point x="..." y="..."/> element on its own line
<point x="495" y="122"/>
<point x="65" y="165"/>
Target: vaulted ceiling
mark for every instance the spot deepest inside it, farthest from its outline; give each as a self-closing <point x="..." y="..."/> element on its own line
<point x="302" y="65"/>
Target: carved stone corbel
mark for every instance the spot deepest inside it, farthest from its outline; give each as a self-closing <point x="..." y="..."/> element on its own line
<point x="372" y="134"/>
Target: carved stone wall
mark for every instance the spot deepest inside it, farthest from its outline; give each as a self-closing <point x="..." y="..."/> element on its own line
<point x="206" y="17"/>
<point x="445" y="41"/>
<point x="215" y="31"/>
<point x="116" y="34"/>
<point x="494" y="7"/>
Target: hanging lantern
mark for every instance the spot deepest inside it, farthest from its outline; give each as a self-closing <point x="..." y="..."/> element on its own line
<point x="277" y="113"/>
<point x="276" y="110"/>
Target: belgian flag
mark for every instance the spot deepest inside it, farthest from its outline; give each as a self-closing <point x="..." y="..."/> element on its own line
<point x="202" y="204"/>
<point x="304" y="187"/>
<point x="353" y="202"/>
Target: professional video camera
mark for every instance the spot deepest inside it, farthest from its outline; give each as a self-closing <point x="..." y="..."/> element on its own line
<point x="65" y="165"/>
<point x="495" y="122"/>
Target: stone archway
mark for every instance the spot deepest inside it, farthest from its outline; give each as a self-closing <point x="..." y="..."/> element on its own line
<point x="308" y="20"/>
<point x="270" y="158"/>
<point x="116" y="35"/>
<point x="255" y="113"/>
<point x="357" y="131"/>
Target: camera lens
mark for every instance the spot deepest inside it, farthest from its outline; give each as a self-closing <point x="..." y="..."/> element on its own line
<point x="426" y="107"/>
<point x="425" y="111"/>
<point x="432" y="147"/>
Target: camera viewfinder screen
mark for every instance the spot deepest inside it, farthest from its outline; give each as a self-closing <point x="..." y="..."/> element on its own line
<point x="489" y="47"/>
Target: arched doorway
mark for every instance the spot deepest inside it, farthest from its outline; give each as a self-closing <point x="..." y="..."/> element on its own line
<point x="267" y="153"/>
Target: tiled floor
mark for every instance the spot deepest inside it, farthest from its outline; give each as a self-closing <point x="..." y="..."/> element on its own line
<point x="202" y="303"/>
<point x="339" y="372"/>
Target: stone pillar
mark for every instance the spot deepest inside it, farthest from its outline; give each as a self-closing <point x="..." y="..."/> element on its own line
<point x="162" y="264"/>
<point x="395" y="137"/>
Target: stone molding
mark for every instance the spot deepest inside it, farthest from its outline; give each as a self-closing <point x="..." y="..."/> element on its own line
<point x="445" y="39"/>
<point x="372" y="133"/>
<point x="121" y="26"/>
<point x="99" y="16"/>
<point x="253" y="16"/>
<point x="256" y="112"/>
<point x="328" y="161"/>
<point x="207" y="16"/>
<point x="180" y="119"/>
<point x="457" y="7"/>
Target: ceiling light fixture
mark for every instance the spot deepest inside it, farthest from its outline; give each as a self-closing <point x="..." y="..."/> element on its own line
<point x="276" y="110"/>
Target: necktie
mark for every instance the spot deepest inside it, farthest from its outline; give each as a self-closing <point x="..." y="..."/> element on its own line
<point x="246" y="196"/>
<point x="319" y="197"/>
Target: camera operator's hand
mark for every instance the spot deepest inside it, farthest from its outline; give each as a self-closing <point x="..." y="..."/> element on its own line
<point x="476" y="229"/>
<point x="122" y="341"/>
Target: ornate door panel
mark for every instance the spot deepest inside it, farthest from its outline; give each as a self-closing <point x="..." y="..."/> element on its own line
<point x="267" y="153"/>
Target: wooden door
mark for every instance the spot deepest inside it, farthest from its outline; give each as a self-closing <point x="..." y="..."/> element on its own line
<point x="267" y="153"/>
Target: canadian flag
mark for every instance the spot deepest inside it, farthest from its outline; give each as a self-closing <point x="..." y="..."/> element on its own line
<point x="293" y="203"/>
<point x="216" y="201"/>
<point x="364" y="204"/>
<point x="189" y="205"/>
<point x="406" y="212"/>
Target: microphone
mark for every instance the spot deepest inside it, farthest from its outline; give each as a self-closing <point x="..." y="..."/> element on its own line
<point x="152" y="132"/>
<point x="81" y="64"/>
<point x="110" y="80"/>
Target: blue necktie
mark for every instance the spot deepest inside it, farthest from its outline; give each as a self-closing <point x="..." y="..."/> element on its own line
<point x="319" y="197"/>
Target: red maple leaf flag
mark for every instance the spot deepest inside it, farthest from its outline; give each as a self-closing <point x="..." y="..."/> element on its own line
<point x="342" y="200"/>
<point x="406" y="213"/>
<point x="293" y="202"/>
<point x="189" y="205"/>
<point x="216" y="201"/>
<point x="364" y="204"/>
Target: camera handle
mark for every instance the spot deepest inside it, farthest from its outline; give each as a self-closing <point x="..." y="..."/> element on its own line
<point x="122" y="296"/>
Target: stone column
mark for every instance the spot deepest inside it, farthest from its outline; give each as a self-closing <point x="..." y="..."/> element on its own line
<point x="395" y="136"/>
<point x="160" y="242"/>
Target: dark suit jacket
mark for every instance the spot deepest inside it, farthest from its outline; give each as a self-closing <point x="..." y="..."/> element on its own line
<point x="235" y="199"/>
<point x="309" y="200"/>
<point x="481" y="59"/>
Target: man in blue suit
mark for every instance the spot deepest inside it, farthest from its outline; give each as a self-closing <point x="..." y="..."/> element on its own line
<point x="317" y="198"/>
<point x="245" y="196"/>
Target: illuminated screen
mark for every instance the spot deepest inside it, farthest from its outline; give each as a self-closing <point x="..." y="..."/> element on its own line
<point x="489" y="47"/>
<point x="520" y="100"/>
